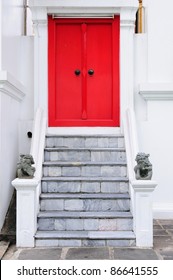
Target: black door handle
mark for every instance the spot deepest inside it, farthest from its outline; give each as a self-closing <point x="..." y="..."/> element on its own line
<point x="77" y="72"/>
<point x="90" y="72"/>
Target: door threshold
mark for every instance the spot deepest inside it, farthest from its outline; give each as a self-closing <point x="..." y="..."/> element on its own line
<point x="83" y="130"/>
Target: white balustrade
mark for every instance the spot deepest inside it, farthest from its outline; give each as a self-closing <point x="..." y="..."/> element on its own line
<point x="141" y="191"/>
<point x="28" y="190"/>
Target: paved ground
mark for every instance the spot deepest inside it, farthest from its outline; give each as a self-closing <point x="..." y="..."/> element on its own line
<point x="162" y="249"/>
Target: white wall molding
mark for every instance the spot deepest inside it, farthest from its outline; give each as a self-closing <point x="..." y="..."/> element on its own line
<point x="39" y="14"/>
<point x="156" y="91"/>
<point x="83" y="130"/>
<point x="10" y="86"/>
<point x="106" y="8"/>
<point x="81" y="3"/>
<point x="127" y="26"/>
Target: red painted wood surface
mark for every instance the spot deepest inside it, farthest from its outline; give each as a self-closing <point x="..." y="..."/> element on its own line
<point x="84" y="99"/>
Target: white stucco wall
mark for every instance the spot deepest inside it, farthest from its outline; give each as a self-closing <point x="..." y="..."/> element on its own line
<point x="154" y="67"/>
<point x="0" y="35"/>
<point x="159" y="28"/>
<point x="10" y="109"/>
<point x="17" y="49"/>
<point x="16" y="59"/>
<point x="12" y="28"/>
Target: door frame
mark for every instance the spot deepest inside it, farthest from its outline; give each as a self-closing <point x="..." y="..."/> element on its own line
<point x="114" y="121"/>
<point x="77" y="8"/>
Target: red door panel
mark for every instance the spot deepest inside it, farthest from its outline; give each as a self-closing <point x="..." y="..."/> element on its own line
<point x="99" y="59"/>
<point x="90" y="96"/>
<point x="68" y="85"/>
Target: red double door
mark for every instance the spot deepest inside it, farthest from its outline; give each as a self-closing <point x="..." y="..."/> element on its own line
<point x="83" y="72"/>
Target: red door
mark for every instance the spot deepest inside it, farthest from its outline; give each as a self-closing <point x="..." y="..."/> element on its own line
<point x="84" y="72"/>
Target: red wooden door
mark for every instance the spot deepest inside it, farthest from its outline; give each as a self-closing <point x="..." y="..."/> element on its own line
<point x="84" y="72"/>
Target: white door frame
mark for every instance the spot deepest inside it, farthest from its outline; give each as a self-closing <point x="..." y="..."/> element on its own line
<point x="72" y="8"/>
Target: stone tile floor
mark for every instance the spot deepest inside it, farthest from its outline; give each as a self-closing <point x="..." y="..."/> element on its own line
<point x="162" y="249"/>
<point x="163" y="239"/>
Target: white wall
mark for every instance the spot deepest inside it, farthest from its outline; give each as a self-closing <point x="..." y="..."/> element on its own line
<point x="16" y="57"/>
<point x="160" y="41"/>
<point x="17" y="50"/>
<point x="0" y="35"/>
<point x="154" y="67"/>
<point x="12" y="28"/>
<point x="9" y="109"/>
<point x="27" y="106"/>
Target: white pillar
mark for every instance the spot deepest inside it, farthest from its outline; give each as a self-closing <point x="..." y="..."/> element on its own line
<point x="127" y="27"/>
<point x="143" y="212"/>
<point x="39" y="16"/>
<point x="26" y="211"/>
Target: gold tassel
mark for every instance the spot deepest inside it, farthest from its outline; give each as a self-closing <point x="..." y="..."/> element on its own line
<point x="140" y="18"/>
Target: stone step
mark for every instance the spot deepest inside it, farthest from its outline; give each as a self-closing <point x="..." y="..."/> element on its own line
<point x="79" y="214"/>
<point x="84" y="202"/>
<point x="85" y="238"/>
<point x="58" y="220"/>
<point x="85" y="154"/>
<point x="85" y="184"/>
<point x="103" y="169"/>
<point x="85" y="199"/>
<point x="85" y="141"/>
<point x="85" y="196"/>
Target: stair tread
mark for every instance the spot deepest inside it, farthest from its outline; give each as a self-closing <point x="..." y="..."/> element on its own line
<point x="83" y="163"/>
<point x="79" y="214"/>
<point x="85" y="135"/>
<point x="86" y="179"/>
<point x="85" y="195"/>
<point x="85" y="234"/>
<point x="108" y="212"/>
<point x="65" y="148"/>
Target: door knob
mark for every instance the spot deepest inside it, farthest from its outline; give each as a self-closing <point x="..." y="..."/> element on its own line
<point x="77" y="72"/>
<point x="90" y="72"/>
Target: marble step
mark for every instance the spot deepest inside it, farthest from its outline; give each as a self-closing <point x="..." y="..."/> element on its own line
<point x="58" y="220"/>
<point x="85" y="184"/>
<point x="66" y="214"/>
<point x="92" y="169"/>
<point x="85" y="154"/>
<point x="85" y="238"/>
<point x="85" y="141"/>
<point x="85" y="202"/>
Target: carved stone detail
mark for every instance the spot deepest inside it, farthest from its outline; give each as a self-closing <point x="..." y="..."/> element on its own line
<point x="143" y="169"/>
<point x="25" y="170"/>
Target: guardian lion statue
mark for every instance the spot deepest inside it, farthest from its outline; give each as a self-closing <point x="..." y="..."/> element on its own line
<point x="25" y="168"/>
<point x="143" y="169"/>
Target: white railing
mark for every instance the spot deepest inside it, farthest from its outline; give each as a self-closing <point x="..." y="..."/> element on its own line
<point x="28" y="190"/>
<point x="140" y="190"/>
<point x="131" y="143"/>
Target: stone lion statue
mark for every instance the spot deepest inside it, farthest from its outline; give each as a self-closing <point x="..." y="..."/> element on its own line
<point x="25" y="168"/>
<point x="143" y="169"/>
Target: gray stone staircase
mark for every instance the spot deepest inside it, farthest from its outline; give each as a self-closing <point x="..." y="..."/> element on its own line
<point x="85" y="199"/>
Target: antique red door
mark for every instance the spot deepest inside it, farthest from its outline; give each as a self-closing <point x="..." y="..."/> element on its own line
<point x="83" y="72"/>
